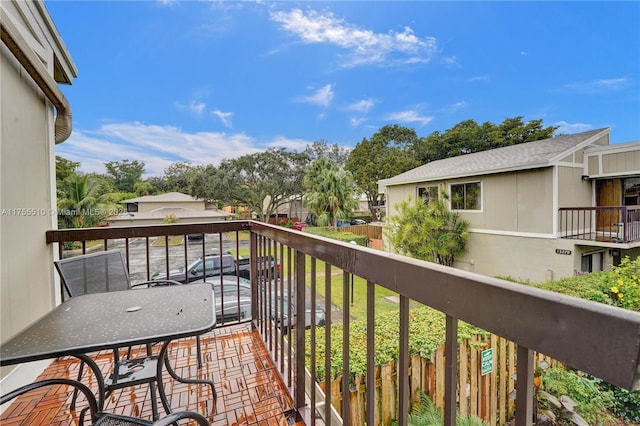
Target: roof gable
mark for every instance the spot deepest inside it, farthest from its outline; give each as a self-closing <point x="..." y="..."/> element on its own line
<point x="530" y="155"/>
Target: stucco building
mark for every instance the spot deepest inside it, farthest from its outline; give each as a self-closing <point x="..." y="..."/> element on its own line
<point x="541" y="210"/>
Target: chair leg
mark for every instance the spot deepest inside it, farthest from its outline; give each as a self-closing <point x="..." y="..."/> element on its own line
<point x="75" y="390"/>
<point x="199" y="352"/>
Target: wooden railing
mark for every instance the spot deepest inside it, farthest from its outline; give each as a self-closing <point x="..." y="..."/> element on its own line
<point x="606" y="224"/>
<point x="599" y="339"/>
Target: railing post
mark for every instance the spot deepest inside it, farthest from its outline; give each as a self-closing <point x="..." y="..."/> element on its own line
<point x="451" y="369"/>
<point x="403" y="364"/>
<point x="371" y="330"/>
<point x="299" y="333"/>
<point x="524" y="387"/>
<point x="253" y="256"/>
<point x="346" y="372"/>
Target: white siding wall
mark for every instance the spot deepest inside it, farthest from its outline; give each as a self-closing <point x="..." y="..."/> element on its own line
<point x="27" y="182"/>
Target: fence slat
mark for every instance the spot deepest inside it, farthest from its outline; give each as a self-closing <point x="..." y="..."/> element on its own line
<point x="502" y="388"/>
<point x="463" y="378"/>
<point x="485" y="396"/>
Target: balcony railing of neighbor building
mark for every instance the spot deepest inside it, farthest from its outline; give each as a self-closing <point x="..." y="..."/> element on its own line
<point x="606" y="224"/>
<point x="598" y="339"/>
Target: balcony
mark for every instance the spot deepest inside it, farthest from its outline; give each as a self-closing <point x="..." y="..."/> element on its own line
<point x="600" y="340"/>
<point x="618" y="225"/>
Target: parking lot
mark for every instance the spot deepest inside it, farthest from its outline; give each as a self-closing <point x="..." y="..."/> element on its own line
<point x="138" y="256"/>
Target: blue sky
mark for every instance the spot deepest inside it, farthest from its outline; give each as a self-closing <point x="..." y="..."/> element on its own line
<point x="200" y="81"/>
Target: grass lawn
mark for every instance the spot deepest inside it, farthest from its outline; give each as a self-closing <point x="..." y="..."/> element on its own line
<point x="242" y="236"/>
<point x="174" y="240"/>
<point x="359" y="308"/>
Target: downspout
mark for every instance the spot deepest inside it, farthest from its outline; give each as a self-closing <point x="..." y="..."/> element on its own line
<point x="12" y="38"/>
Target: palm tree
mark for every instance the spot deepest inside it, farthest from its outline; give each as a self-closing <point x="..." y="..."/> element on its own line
<point x="330" y="192"/>
<point x="80" y="207"/>
<point x="428" y="231"/>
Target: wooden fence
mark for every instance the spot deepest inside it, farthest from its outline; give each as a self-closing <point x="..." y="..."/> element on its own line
<point x="485" y="396"/>
<point x="369" y="231"/>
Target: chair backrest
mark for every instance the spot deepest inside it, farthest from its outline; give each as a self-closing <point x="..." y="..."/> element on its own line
<point x="99" y="272"/>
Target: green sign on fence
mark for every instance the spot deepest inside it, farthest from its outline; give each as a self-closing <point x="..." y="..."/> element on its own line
<point x="487" y="361"/>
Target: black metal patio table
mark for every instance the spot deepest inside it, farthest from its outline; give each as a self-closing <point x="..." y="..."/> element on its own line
<point x="95" y="322"/>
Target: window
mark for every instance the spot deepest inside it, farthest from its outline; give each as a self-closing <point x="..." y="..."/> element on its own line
<point x="428" y="193"/>
<point x="631" y="188"/>
<point x="591" y="262"/>
<point x="466" y="196"/>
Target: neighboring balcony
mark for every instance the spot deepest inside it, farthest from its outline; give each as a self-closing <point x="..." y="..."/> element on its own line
<point x="598" y="339"/>
<point x="619" y="224"/>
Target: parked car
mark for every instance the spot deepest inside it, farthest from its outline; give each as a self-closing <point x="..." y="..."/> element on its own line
<point x="299" y="226"/>
<point x="358" y="222"/>
<point x="195" y="237"/>
<point x="233" y="302"/>
<point x="210" y="267"/>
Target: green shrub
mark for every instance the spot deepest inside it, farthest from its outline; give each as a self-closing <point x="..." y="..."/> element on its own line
<point x="425" y="413"/>
<point x="619" y="287"/>
<point x="346" y="237"/>
<point x="622" y="285"/>
<point x="426" y="334"/>
<point x="593" y="403"/>
<point x="626" y="404"/>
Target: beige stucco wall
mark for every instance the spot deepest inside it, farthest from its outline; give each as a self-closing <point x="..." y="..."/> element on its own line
<point x="191" y="205"/>
<point x="533" y="259"/>
<point x="572" y="190"/>
<point x="511" y="202"/>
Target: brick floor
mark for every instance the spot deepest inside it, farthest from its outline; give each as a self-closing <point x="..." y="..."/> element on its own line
<point x="248" y="387"/>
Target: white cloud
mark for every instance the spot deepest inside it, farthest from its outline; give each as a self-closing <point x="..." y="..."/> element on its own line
<point x="409" y="116"/>
<point x="362" y="106"/>
<point x="322" y="97"/>
<point x="457" y="106"/>
<point x="197" y="108"/>
<point x="225" y="117"/>
<point x="364" y="46"/>
<point x="598" y="86"/>
<point x="156" y="146"/>
<point x="284" y="142"/>
<point x="355" y="122"/>
<point x="570" y="128"/>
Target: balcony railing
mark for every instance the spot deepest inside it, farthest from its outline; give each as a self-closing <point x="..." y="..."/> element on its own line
<point x="606" y="224"/>
<point x="598" y="339"/>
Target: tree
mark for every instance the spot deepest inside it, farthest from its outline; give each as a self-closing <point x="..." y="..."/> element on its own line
<point x="209" y="183"/>
<point x="468" y="136"/>
<point x="386" y="154"/>
<point x="125" y="173"/>
<point x="180" y="177"/>
<point x="428" y="231"/>
<point x="263" y="181"/>
<point x="321" y="149"/>
<point x="330" y="192"/>
<point x="65" y="169"/>
<point x="80" y="207"/>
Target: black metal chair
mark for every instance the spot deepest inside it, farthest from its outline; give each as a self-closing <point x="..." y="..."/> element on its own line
<point x="102" y="272"/>
<point x="102" y="418"/>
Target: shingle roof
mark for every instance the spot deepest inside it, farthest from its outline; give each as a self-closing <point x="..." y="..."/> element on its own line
<point x="169" y="197"/>
<point x="522" y="156"/>
<point x="180" y="212"/>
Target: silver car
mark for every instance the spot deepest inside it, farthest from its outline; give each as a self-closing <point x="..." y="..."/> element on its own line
<point x="233" y="303"/>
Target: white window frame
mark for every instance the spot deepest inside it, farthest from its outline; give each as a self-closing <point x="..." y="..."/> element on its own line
<point x="480" y="201"/>
<point x="426" y="187"/>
